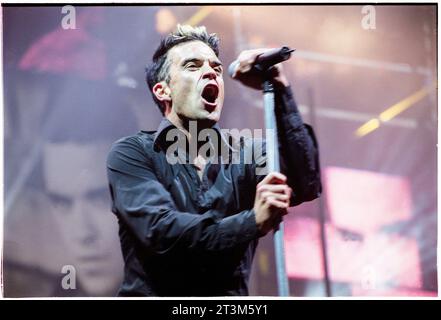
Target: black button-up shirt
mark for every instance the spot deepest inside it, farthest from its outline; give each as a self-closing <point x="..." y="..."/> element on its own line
<point x="182" y="235"/>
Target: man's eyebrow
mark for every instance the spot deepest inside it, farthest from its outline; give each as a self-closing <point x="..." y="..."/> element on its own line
<point x="215" y="62"/>
<point x="190" y="60"/>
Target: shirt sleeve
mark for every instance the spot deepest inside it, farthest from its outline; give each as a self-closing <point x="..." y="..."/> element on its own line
<point x="298" y="149"/>
<point x="147" y="209"/>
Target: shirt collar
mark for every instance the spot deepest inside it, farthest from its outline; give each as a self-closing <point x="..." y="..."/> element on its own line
<point x="163" y="127"/>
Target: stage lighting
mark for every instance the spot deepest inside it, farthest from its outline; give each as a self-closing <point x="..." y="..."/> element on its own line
<point x="165" y="21"/>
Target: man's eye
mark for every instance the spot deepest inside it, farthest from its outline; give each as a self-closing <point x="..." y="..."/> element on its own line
<point x="59" y="201"/>
<point x="100" y="196"/>
<point x="218" y="69"/>
<point x="191" y="66"/>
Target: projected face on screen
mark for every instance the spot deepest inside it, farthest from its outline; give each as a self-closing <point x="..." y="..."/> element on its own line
<point x="76" y="185"/>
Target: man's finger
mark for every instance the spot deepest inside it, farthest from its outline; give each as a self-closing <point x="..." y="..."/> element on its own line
<point x="278" y="196"/>
<point x="278" y="204"/>
<point x="273" y="177"/>
<point x="276" y="188"/>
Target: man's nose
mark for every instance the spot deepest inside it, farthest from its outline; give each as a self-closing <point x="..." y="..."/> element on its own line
<point x="87" y="231"/>
<point x="209" y="73"/>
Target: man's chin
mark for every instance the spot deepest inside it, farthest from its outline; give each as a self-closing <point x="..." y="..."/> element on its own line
<point x="207" y="119"/>
<point x="210" y="119"/>
<point x="203" y="118"/>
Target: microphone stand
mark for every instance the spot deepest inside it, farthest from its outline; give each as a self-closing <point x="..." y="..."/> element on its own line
<point x="273" y="163"/>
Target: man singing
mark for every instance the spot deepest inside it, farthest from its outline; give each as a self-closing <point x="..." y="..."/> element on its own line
<point x="190" y="227"/>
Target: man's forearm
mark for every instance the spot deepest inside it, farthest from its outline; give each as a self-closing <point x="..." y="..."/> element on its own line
<point x="298" y="148"/>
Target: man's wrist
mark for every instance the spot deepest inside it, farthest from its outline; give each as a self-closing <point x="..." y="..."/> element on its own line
<point x="281" y="81"/>
<point x="255" y="225"/>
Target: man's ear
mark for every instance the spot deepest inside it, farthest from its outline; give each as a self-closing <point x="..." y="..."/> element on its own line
<point x="162" y="91"/>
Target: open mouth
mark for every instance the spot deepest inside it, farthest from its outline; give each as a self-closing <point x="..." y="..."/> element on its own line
<point x="210" y="93"/>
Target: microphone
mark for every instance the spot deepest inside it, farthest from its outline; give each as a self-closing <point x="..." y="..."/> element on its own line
<point x="265" y="60"/>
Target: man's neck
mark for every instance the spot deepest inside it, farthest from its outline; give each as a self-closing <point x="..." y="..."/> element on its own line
<point x="190" y="128"/>
<point x="191" y="133"/>
<point x="182" y="125"/>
